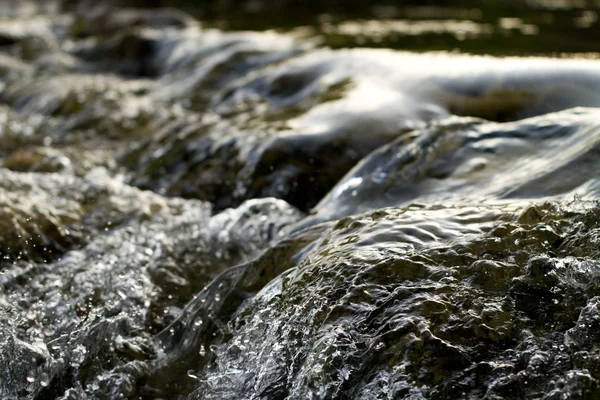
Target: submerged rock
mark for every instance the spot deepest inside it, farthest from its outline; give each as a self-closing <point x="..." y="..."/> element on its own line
<point x="464" y="160"/>
<point x="440" y="303"/>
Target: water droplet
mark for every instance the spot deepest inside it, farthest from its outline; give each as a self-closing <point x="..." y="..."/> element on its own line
<point x="44" y="379"/>
<point x="192" y="374"/>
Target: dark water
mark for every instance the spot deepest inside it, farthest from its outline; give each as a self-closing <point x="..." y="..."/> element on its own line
<point x="513" y="27"/>
<point x="192" y="210"/>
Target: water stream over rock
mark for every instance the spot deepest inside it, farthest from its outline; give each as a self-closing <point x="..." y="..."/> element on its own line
<point x="192" y="212"/>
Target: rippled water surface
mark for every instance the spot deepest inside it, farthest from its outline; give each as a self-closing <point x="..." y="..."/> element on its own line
<point x="359" y="205"/>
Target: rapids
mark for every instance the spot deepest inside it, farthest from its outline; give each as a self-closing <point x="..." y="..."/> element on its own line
<point x="189" y="212"/>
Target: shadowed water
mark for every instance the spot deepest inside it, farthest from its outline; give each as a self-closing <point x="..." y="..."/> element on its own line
<point x="192" y="212"/>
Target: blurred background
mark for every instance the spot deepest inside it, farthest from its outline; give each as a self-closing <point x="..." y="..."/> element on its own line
<point x="507" y="27"/>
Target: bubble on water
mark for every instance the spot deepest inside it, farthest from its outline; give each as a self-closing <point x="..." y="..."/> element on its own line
<point x="44" y="379"/>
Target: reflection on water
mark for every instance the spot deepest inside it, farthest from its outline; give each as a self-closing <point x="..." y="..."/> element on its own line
<point x="381" y="30"/>
<point x="482" y="27"/>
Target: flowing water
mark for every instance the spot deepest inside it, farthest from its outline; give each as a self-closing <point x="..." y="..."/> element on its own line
<point x="195" y="211"/>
